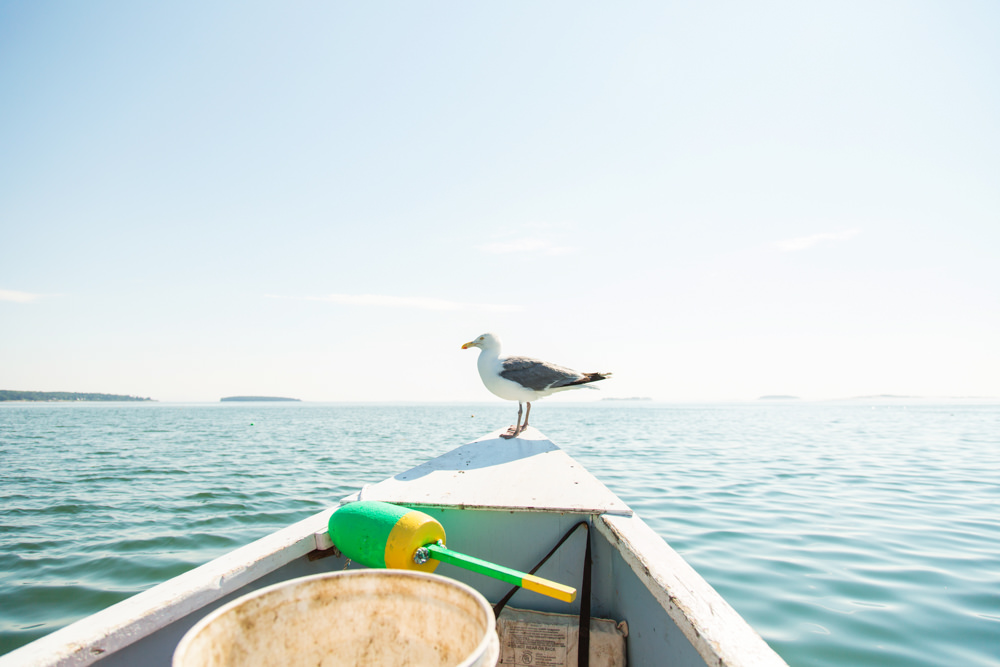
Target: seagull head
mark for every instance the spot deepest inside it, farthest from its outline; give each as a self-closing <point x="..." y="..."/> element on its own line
<point x="486" y="341"/>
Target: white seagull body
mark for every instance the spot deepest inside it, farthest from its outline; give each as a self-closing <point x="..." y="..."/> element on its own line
<point x="523" y="379"/>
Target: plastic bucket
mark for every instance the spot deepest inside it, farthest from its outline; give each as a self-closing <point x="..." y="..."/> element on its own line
<point x="353" y="618"/>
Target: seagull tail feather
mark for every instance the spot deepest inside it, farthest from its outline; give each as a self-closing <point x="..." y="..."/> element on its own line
<point x="590" y="377"/>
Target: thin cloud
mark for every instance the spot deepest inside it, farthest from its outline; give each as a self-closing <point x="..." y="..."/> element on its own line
<point x="413" y="302"/>
<point x="535" y="245"/>
<point x="806" y="242"/>
<point x="18" y="297"/>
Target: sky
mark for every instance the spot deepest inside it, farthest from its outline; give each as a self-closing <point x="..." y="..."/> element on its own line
<point x="713" y="201"/>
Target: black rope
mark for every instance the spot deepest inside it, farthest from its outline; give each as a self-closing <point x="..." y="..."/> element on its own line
<point x="583" y="651"/>
<point x="583" y="654"/>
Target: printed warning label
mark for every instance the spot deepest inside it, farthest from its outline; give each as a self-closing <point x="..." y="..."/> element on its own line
<point x="533" y="644"/>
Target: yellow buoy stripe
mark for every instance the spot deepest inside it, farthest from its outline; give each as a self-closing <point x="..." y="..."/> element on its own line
<point x="412" y="531"/>
<point x="552" y="589"/>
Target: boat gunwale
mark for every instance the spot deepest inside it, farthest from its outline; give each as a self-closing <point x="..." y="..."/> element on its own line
<point x="102" y="633"/>
<point x="712" y="626"/>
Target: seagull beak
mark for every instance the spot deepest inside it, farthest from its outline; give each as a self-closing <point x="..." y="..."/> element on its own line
<point x="466" y="346"/>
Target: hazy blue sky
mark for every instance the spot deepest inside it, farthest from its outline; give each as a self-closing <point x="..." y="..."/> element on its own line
<point x="325" y="200"/>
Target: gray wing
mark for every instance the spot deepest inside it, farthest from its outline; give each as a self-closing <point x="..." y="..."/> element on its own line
<point x="537" y="375"/>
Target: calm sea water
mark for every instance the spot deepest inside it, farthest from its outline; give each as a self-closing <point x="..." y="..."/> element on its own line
<point x="845" y="533"/>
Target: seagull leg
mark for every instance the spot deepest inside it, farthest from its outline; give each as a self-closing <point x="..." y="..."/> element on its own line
<point x="514" y="430"/>
<point x="524" y="427"/>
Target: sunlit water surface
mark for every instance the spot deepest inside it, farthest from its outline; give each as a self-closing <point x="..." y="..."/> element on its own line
<point x="845" y="533"/>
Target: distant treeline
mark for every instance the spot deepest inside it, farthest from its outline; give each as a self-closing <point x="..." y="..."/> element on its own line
<point x="9" y="395"/>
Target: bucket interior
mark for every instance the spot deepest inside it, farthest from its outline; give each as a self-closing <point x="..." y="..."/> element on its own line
<point x="360" y="617"/>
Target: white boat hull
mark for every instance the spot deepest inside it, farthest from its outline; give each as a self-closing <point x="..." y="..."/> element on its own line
<point x="505" y="503"/>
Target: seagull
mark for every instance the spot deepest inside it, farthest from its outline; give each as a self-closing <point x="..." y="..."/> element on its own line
<point x="523" y="379"/>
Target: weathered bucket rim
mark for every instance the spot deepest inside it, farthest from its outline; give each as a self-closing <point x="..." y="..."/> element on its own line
<point x="482" y="648"/>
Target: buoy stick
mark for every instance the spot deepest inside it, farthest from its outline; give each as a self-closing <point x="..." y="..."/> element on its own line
<point x="523" y="579"/>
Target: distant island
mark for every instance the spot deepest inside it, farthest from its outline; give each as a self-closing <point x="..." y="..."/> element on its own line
<point x="9" y="395"/>
<point x="778" y="397"/>
<point x="245" y="399"/>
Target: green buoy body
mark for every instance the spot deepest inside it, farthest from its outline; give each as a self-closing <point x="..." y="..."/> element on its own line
<point x="378" y="534"/>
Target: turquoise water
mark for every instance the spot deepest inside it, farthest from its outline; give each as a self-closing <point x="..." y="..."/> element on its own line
<point x="845" y="533"/>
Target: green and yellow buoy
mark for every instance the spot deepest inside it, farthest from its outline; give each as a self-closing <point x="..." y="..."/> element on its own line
<point x="383" y="535"/>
